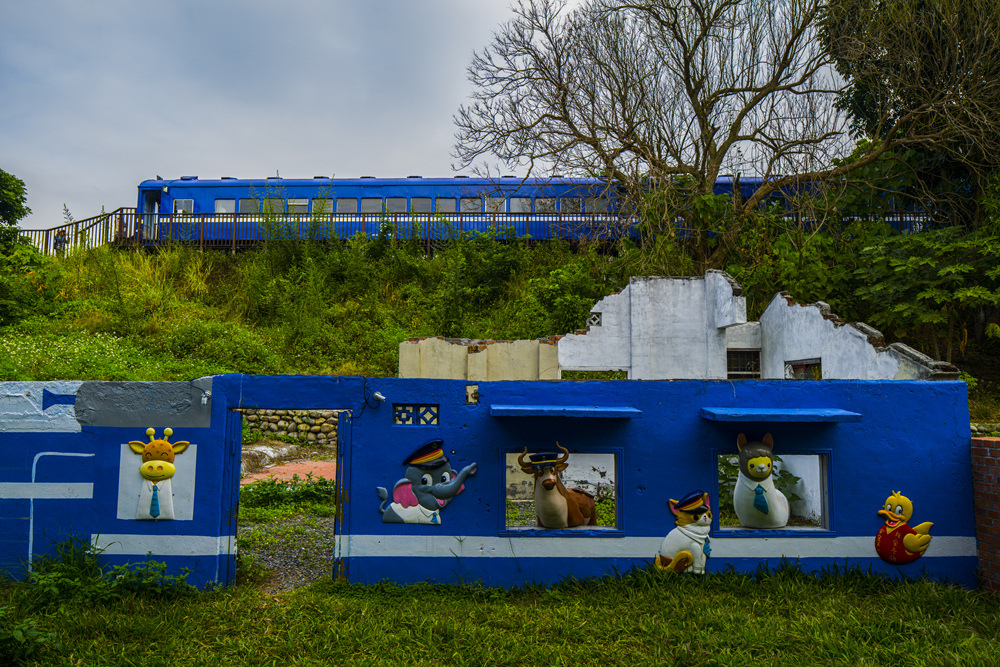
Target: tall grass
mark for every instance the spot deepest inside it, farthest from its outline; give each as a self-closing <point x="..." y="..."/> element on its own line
<point x="304" y="307"/>
<point x="770" y="617"/>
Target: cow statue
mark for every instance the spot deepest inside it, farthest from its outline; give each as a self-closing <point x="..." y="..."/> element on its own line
<point x="156" y="498"/>
<point x="555" y="505"/>
<point x="427" y="487"/>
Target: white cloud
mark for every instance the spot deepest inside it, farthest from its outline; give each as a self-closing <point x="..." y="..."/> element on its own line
<point x="96" y="97"/>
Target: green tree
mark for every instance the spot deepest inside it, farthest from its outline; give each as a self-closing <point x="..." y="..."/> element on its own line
<point x="925" y="75"/>
<point x="12" y="199"/>
<point x="12" y="209"/>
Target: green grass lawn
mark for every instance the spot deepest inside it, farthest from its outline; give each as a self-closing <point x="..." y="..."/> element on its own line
<point x="770" y="618"/>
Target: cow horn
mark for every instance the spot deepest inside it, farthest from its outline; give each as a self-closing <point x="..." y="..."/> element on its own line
<point x="565" y="456"/>
<point x="520" y="459"/>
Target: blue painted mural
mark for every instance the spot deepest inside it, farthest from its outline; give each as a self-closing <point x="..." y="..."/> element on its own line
<point x="858" y="439"/>
<point x="69" y="470"/>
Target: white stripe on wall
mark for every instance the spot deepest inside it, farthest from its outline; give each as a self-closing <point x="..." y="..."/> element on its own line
<point x="164" y="545"/>
<point x="447" y="546"/>
<point x="46" y="490"/>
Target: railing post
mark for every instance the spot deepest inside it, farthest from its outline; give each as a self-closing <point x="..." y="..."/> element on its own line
<point x="233" y="226"/>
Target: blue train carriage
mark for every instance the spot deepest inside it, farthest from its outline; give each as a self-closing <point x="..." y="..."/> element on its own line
<point x="239" y="211"/>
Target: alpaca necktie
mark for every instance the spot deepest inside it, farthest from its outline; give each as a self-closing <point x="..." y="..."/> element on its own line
<point x="759" y="500"/>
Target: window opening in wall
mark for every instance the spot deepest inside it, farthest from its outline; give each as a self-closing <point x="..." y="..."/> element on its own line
<point x="183" y="206"/>
<point x="801" y="478"/>
<point x="371" y="205"/>
<point x="495" y="204"/>
<point x="472" y="204"/>
<point x="742" y="364"/>
<point x="225" y="206"/>
<point x="420" y="204"/>
<point x="249" y="206"/>
<point x="298" y="205"/>
<point x="596" y="204"/>
<point x="322" y="206"/>
<point x="347" y="205"/>
<point x="596" y="473"/>
<point x="395" y="204"/>
<point x="274" y="205"/>
<point x="414" y="414"/>
<point x="804" y="369"/>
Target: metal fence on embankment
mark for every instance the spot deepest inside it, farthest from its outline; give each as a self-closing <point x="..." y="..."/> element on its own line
<point x="232" y="231"/>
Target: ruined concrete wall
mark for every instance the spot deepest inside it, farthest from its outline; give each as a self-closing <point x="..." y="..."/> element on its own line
<point x="661" y="329"/>
<point x="478" y="360"/>
<point x="791" y="331"/>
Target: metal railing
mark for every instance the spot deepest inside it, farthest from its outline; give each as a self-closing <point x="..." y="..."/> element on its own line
<point x="126" y="227"/>
<point x="232" y="231"/>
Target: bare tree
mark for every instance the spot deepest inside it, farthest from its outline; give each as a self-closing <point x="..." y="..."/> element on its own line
<point x="678" y="93"/>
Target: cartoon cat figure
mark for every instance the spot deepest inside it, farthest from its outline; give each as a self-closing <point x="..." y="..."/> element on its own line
<point x="758" y="503"/>
<point x="686" y="547"/>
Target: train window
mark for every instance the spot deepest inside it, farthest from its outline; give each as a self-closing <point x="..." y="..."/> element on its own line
<point x="444" y="204"/>
<point x="520" y="204"/>
<point x="249" y="206"/>
<point x="371" y="204"/>
<point x="571" y="205"/>
<point x="183" y="206"/>
<point x="298" y="205"/>
<point x="472" y="204"/>
<point x="596" y="204"/>
<point x="420" y="204"/>
<point x="225" y="206"/>
<point x="495" y="204"/>
<point x="345" y="205"/>
<point x="395" y="204"/>
<point x="545" y="205"/>
<point x="274" y="205"/>
<point x="322" y="206"/>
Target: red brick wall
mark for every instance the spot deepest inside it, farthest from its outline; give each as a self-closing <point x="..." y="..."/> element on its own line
<point x="986" y="487"/>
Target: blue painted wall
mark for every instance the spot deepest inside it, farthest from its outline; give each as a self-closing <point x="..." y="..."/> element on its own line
<point x="911" y="437"/>
<point x="65" y="473"/>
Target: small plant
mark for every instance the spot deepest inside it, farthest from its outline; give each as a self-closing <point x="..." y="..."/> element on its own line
<point x="21" y="639"/>
<point x="297" y="491"/>
<point x="75" y="574"/>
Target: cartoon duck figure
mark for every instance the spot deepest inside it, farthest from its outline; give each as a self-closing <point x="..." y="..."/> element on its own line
<point x="896" y="542"/>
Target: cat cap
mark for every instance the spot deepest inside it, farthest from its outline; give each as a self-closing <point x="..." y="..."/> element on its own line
<point x="693" y="503"/>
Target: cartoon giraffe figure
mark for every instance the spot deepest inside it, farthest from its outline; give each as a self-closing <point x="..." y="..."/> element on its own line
<point x="156" y="498"/>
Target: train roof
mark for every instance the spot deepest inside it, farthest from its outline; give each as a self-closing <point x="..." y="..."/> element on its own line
<point x="195" y="181"/>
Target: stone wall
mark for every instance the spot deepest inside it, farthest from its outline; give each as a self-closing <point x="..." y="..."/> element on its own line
<point x="986" y="491"/>
<point x="318" y="426"/>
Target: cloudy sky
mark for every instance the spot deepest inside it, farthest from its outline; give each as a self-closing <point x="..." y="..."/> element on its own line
<point x="98" y="96"/>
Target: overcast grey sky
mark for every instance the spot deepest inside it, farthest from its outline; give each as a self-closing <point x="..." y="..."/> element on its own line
<point x="97" y="96"/>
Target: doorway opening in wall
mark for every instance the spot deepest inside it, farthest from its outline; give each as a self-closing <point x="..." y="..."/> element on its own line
<point x="290" y="494"/>
<point x="595" y="473"/>
<point x="802" y="478"/>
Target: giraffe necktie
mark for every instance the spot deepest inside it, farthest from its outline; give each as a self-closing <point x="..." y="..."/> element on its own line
<point x="154" y="505"/>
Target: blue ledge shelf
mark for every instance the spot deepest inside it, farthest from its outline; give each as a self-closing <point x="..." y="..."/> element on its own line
<point x="603" y="412"/>
<point x="779" y="415"/>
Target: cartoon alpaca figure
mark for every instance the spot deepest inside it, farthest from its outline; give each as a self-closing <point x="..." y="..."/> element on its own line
<point x="686" y="547"/>
<point x="156" y="498"/>
<point x="758" y="503"/>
